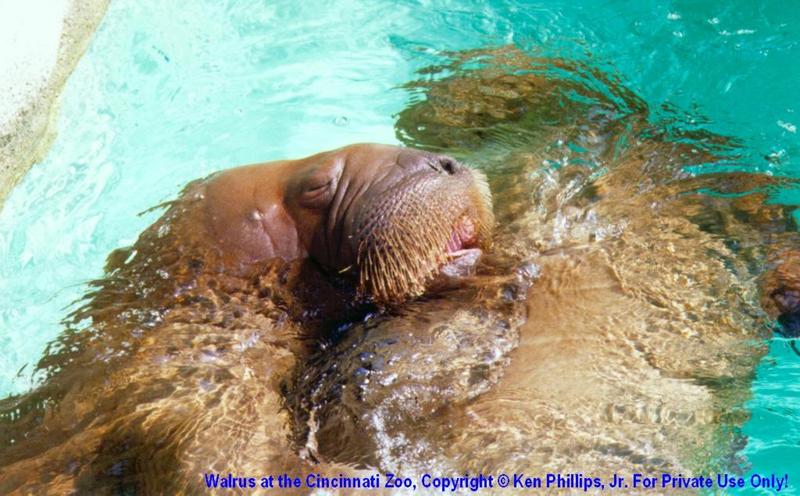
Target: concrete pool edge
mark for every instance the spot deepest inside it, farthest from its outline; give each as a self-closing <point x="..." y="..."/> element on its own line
<point x="26" y="136"/>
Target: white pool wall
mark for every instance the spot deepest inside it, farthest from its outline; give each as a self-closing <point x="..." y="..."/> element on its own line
<point x="40" y="43"/>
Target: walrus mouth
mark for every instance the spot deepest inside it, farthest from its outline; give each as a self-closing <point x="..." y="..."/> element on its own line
<point x="464" y="236"/>
<point x="462" y="249"/>
<point x="390" y="275"/>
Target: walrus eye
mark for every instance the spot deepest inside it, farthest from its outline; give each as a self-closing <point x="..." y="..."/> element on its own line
<point x="317" y="192"/>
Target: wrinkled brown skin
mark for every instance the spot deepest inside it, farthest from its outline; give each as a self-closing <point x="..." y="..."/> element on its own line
<point x="194" y="329"/>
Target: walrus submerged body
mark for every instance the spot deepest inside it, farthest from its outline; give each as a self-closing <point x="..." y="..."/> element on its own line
<point x="642" y="327"/>
<point x="332" y="315"/>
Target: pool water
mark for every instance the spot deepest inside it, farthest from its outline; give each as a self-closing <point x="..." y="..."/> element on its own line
<point x="167" y="94"/>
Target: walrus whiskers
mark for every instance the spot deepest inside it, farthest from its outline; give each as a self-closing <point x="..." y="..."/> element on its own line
<point x="417" y="250"/>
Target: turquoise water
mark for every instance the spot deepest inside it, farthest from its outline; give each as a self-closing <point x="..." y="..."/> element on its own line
<point x="166" y="94"/>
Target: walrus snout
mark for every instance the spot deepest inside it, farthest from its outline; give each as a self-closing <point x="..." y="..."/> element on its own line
<point x="416" y="220"/>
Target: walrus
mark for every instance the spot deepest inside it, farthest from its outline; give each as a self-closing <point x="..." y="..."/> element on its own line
<point x="173" y="367"/>
<point x="611" y="323"/>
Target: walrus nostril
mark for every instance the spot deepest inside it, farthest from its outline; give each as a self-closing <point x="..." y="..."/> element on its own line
<point x="448" y="165"/>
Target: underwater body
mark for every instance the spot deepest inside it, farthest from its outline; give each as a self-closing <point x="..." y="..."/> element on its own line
<point x="154" y="105"/>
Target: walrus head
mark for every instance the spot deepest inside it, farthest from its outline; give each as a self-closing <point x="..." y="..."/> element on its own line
<point x="390" y="216"/>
